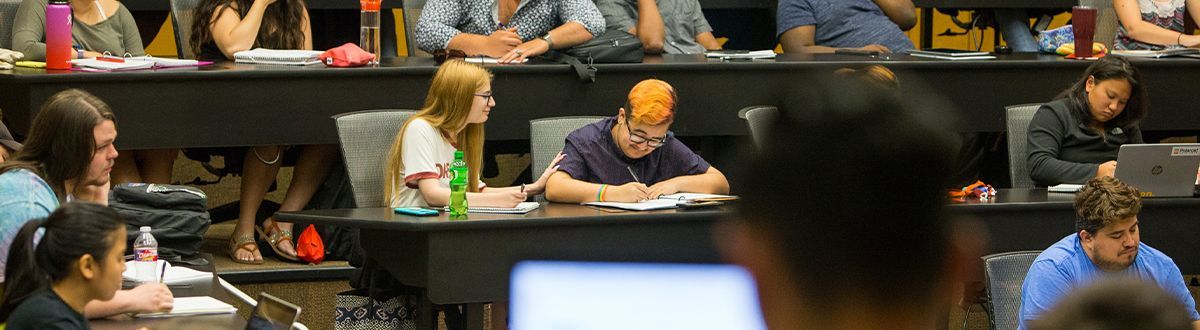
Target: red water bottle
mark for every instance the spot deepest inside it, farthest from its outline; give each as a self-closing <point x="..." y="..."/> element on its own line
<point x="58" y="35"/>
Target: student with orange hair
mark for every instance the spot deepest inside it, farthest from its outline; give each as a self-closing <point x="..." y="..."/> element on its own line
<point x="633" y="155"/>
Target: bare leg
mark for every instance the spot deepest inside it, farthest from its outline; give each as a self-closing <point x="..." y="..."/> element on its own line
<point x="311" y="169"/>
<point x="156" y="165"/>
<point x="125" y="168"/>
<point x="257" y="176"/>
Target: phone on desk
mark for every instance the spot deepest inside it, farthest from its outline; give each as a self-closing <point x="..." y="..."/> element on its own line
<point x="272" y="313"/>
<point x="695" y="205"/>
<point x="416" y="211"/>
<point x="729" y="51"/>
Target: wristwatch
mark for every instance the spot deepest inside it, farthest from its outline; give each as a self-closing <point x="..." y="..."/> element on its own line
<point x="549" y="42"/>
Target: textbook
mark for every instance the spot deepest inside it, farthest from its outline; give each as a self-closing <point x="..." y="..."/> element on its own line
<point x="521" y="208"/>
<point x="1157" y="53"/>
<point x="277" y="56"/>
<point x="202" y="305"/>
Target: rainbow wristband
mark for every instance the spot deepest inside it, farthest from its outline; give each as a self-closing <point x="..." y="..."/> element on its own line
<point x="600" y="193"/>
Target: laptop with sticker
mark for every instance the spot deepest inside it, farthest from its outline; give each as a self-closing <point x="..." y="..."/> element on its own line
<point x="1160" y="170"/>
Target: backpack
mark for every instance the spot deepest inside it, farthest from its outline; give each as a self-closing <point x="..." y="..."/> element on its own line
<point x="614" y="46"/>
<point x="177" y="216"/>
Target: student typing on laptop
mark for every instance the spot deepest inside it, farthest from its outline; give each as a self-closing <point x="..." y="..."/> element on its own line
<point x="1076" y="137"/>
<point x="632" y="156"/>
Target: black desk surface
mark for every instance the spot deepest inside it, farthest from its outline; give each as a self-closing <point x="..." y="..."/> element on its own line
<point x="229" y="104"/>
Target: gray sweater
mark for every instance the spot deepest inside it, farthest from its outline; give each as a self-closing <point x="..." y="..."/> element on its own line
<point x="117" y="35"/>
<point x="1063" y="149"/>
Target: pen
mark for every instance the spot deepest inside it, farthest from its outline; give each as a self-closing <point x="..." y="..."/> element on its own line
<point x="164" y="272"/>
<point x="522" y="187"/>
<point x="635" y="178"/>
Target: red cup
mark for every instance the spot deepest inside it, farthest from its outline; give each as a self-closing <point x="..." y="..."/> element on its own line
<point x="1083" y="21"/>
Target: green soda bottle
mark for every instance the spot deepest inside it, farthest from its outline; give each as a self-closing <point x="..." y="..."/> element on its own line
<point x="458" y="186"/>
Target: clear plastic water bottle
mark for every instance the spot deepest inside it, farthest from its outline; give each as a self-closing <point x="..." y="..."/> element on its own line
<point x="368" y="38"/>
<point x="145" y="256"/>
<point x="458" y="187"/>
<point x="58" y="35"/>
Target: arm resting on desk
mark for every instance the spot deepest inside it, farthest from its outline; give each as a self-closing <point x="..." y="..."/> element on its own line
<point x="436" y="195"/>
<point x="1130" y="17"/>
<point x="802" y="39"/>
<point x="146" y="298"/>
<point x="650" y="29"/>
<point x="709" y="182"/>
<point x="233" y="34"/>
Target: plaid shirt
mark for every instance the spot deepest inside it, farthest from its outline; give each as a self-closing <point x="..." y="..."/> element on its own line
<point x="441" y="20"/>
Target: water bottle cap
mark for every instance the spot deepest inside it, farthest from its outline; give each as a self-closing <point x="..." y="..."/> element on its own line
<point x="58" y="2"/>
<point x="145" y="229"/>
<point x="458" y="154"/>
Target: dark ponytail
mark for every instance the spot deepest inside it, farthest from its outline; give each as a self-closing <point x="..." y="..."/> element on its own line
<point x="73" y="230"/>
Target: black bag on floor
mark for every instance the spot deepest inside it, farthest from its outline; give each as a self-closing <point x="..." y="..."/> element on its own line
<point x="177" y="216"/>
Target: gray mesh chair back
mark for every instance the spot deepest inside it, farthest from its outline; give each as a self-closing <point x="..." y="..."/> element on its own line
<point x="412" y="14"/>
<point x="8" y="13"/>
<point x="366" y="137"/>
<point x="548" y="136"/>
<point x="182" y="16"/>
<point x="1106" y="21"/>
<point x="1017" y="119"/>
<point x="758" y="117"/>
<point x="1004" y="274"/>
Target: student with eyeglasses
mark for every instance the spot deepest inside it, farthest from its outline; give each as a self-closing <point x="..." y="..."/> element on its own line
<point x="632" y="156"/>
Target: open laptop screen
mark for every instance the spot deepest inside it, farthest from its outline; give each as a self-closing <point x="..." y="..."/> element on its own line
<point x="597" y="295"/>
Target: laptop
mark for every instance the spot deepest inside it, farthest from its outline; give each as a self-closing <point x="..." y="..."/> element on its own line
<point x="1160" y="170"/>
<point x="600" y="295"/>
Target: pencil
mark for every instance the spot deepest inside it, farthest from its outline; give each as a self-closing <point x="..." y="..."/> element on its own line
<point x="163" y="274"/>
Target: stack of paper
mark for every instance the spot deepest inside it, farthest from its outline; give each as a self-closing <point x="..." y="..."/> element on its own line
<point x="185" y="306"/>
<point x="277" y="56"/>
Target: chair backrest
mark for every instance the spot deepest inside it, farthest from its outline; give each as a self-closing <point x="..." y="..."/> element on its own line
<point x="758" y="117"/>
<point x="548" y="136"/>
<point x="1106" y="21"/>
<point x="1004" y="274"/>
<point x="366" y="137"/>
<point x="8" y="13"/>
<point x="182" y="15"/>
<point x="412" y="14"/>
<point x="1017" y="119"/>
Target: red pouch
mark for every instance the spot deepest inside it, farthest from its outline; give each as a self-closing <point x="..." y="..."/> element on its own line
<point x="309" y="246"/>
<point x="348" y="55"/>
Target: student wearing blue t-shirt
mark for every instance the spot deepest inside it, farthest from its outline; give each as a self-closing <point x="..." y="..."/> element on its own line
<point x="822" y="26"/>
<point x="632" y="156"/>
<point x="1108" y="244"/>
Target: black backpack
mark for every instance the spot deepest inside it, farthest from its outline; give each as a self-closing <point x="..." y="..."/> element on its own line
<point x="177" y="216"/>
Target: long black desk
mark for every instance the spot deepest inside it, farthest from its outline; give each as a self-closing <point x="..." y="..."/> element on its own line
<point x="468" y="261"/>
<point x="229" y="104"/>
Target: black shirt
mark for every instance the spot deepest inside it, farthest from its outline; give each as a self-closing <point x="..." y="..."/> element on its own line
<point x="1064" y="149"/>
<point x="45" y="310"/>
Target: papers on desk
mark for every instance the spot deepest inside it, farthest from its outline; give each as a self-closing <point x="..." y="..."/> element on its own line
<point x="488" y="60"/>
<point x="1156" y="53"/>
<point x="521" y="208"/>
<point x="650" y="205"/>
<point x="187" y="306"/>
<point x="694" y="197"/>
<point x="174" y="275"/>
<point x="132" y="63"/>
<point x="277" y="56"/>
<point x="1065" y="188"/>
<point x="728" y="55"/>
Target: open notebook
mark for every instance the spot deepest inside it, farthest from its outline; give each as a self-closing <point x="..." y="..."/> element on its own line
<point x="522" y="208"/>
<point x="185" y="306"/>
<point x="173" y="275"/>
<point x="132" y="63"/>
<point x="277" y="56"/>
<point x="664" y="202"/>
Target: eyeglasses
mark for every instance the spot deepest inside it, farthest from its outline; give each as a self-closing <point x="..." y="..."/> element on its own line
<point x="442" y="55"/>
<point x="650" y="142"/>
<point x="487" y="97"/>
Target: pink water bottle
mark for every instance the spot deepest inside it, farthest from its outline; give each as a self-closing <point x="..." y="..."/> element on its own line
<point x="58" y="35"/>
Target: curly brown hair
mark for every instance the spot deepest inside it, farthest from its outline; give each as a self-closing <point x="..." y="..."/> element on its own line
<point x="1104" y="200"/>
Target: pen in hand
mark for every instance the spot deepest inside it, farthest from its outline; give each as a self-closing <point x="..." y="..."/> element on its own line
<point x="163" y="274"/>
<point x="635" y="178"/>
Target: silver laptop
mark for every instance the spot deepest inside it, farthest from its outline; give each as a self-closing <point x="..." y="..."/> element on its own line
<point x="1160" y="170"/>
<point x="552" y="295"/>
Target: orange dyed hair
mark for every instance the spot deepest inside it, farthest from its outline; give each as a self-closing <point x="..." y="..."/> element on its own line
<point x="652" y="102"/>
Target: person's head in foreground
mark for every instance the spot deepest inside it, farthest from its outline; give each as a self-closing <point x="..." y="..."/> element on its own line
<point x="841" y="219"/>
<point x="78" y="257"/>
<point x="1117" y="303"/>
<point x="1106" y="212"/>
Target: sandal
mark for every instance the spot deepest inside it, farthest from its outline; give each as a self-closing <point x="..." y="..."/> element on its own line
<point x="244" y="242"/>
<point x="275" y="237"/>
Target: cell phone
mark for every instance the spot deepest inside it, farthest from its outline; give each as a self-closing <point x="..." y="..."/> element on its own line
<point x="729" y="51"/>
<point x="416" y="211"/>
<point x="693" y="205"/>
<point x="859" y="52"/>
<point x="272" y="313"/>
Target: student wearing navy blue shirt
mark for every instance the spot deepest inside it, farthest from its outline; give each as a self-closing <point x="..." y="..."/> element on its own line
<point x="632" y="156"/>
<point x="1108" y="244"/>
<point x="822" y="26"/>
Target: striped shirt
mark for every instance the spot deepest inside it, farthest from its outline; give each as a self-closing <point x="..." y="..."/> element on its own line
<point x="441" y="20"/>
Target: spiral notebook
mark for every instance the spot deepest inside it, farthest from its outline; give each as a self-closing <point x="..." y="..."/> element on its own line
<point x="521" y="208"/>
<point x="277" y="56"/>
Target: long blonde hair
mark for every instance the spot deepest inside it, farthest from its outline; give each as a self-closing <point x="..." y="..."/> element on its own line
<point x="447" y="106"/>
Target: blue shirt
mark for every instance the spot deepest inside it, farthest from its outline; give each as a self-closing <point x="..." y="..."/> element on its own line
<point x="843" y="23"/>
<point x="1065" y="266"/>
<point x="593" y="156"/>
<point x="23" y="197"/>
